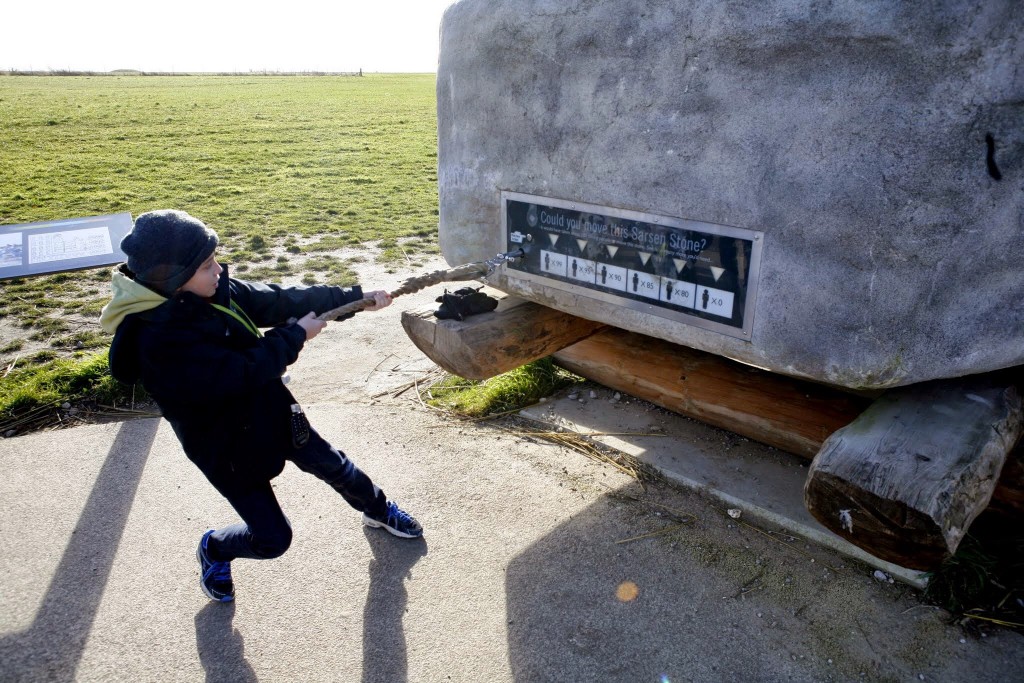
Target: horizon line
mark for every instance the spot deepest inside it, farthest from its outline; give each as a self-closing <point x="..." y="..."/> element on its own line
<point x="251" y="72"/>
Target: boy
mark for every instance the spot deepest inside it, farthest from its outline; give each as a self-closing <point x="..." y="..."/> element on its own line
<point x="190" y="335"/>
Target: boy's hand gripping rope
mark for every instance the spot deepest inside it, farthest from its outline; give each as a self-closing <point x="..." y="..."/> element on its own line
<point x="468" y="271"/>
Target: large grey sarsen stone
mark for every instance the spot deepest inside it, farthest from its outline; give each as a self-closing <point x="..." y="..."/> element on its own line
<point x="878" y="145"/>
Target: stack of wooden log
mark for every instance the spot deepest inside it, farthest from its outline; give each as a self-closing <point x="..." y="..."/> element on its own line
<point x="901" y="474"/>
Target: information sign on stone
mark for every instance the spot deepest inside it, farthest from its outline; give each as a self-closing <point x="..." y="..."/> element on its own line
<point x="697" y="273"/>
<point x="57" y="246"/>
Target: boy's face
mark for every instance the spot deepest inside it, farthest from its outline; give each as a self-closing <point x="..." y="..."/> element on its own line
<point x="204" y="282"/>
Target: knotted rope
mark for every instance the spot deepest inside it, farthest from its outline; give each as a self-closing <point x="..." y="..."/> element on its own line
<point x="469" y="271"/>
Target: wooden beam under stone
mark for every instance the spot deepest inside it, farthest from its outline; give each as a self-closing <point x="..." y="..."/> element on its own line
<point x="790" y="414"/>
<point x="488" y="344"/>
<point x="910" y="489"/>
<point x="906" y="479"/>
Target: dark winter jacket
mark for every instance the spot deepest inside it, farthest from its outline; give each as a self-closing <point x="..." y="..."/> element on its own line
<point x="216" y="382"/>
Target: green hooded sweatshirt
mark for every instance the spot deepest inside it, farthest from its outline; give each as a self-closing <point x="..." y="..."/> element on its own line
<point x="129" y="297"/>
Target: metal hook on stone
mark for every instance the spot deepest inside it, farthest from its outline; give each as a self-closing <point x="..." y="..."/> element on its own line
<point x="507" y="257"/>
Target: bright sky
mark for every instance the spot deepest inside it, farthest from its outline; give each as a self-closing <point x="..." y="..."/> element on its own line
<point x="221" y="35"/>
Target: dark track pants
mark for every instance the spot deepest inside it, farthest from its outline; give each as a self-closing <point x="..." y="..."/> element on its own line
<point x="265" y="532"/>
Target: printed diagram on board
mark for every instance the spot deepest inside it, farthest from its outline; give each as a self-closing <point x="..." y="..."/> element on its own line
<point x="59" y="246"/>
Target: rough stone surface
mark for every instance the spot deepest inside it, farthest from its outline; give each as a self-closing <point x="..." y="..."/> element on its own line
<point x="852" y="133"/>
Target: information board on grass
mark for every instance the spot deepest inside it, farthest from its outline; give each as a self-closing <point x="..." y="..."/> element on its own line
<point x="697" y="273"/>
<point x="62" y="245"/>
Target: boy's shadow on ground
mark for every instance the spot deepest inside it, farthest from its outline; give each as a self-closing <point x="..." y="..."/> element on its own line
<point x="51" y="647"/>
<point x="220" y="645"/>
<point x="384" y="648"/>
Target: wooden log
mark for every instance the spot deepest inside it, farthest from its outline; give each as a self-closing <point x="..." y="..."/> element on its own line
<point x="1008" y="498"/>
<point x="488" y="344"/>
<point x="905" y="479"/>
<point x="790" y="414"/>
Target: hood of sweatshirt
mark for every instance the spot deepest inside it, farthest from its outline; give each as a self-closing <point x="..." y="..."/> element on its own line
<point x="129" y="297"/>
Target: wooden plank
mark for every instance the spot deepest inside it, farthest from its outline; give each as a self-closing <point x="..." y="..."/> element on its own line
<point x="488" y="344"/>
<point x="790" y="414"/>
<point x="905" y="480"/>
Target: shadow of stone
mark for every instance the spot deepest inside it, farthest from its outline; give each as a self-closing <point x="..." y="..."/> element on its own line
<point x="221" y="647"/>
<point x="51" y="648"/>
<point x="584" y="605"/>
<point x="385" y="657"/>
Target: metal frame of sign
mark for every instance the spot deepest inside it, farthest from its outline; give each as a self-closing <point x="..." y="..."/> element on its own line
<point x="62" y="245"/>
<point x="724" y="262"/>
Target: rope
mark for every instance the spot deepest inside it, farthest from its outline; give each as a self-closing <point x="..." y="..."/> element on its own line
<point x="469" y="271"/>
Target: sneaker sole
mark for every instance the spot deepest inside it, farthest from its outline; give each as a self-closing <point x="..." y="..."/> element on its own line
<point x="370" y="522"/>
<point x="207" y="591"/>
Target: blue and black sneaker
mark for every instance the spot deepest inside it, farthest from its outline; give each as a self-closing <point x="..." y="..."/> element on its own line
<point x="214" y="577"/>
<point x="395" y="521"/>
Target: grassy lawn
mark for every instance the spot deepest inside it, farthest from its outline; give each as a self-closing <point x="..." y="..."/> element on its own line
<point x="290" y="171"/>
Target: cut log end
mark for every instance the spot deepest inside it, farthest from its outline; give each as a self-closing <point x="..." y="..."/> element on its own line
<point x="906" y="479"/>
<point x="887" y="529"/>
<point x="488" y="344"/>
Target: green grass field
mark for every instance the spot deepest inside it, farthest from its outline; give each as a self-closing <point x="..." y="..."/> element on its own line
<point x="349" y="158"/>
<point x="288" y="170"/>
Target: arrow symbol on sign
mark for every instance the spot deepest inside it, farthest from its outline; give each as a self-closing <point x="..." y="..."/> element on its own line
<point x="680" y="264"/>
<point x="553" y="236"/>
<point x="717" y="272"/>
<point x="582" y="244"/>
<point x="644" y="256"/>
<point x="611" y="250"/>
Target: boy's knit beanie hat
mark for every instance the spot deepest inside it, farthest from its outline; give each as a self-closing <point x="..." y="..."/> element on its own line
<point x="165" y="249"/>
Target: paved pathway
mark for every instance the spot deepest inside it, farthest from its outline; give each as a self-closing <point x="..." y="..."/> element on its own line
<point x="524" y="574"/>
